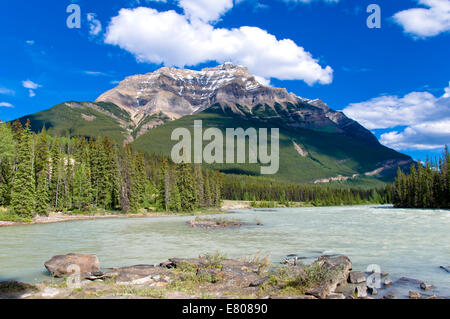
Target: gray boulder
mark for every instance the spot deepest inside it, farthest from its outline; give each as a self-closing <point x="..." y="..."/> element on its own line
<point x="66" y="265"/>
<point x="337" y="269"/>
<point x="357" y="277"/>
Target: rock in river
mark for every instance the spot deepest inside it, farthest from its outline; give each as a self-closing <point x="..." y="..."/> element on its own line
<point x="357" y="277"/>
<point x="338" y="269"/>
<point x="66" y="265"/>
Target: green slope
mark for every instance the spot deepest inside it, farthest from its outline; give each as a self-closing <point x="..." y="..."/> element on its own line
<point x="329" y="154"/>
<point x="81" y="120"/>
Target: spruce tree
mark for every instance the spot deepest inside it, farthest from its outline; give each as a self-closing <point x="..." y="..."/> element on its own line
<point x="7" y="157"/>
<point x="23" y="186"/>
<point x="42" y="171"/>
<point x="186" y="187"/>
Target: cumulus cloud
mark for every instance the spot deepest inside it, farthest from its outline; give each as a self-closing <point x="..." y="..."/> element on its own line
<point x="173" y="39"/>
<point x="31" y="86"/>
<point x="95" y="26"/>
<point x="6" y="104"/>
<point x="424" y="117"/>
<point x="425" y="22"/>
<point x="205" y="10"/>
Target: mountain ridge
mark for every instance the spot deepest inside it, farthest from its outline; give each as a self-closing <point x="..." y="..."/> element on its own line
<point x="142" y="110"/>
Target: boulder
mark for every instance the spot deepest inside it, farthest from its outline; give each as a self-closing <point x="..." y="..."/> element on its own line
<point x="361" y="291"/>
<point x="390" y="295"/>
<point x="387" y="282"/>
<point x="66" y="265"/>
<point x="259" y="282"/>
<point x="134" y="274"/>
<point x="426" y="286"/>
<point x="337" y="268"/>
<point x="414" y="295"/>
<point x="373" y="291"/>
<point x="357" y="277"/>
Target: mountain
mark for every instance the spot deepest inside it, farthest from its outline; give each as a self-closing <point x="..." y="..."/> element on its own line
<point x="317" y="144"/>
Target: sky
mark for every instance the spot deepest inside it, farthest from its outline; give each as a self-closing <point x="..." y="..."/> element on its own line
<point x="394" y="80"/>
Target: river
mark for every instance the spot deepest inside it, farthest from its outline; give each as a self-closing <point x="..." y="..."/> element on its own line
<point x="404" y="242"/>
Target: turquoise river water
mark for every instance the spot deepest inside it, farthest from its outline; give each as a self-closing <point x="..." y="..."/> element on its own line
<point x="403" y="242"/>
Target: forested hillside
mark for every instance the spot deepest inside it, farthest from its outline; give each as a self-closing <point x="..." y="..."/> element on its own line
<point x="426" y="186"/>
<point x="40" y="173"/>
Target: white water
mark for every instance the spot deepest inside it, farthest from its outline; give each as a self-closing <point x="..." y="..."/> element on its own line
<point x="404" y="242"/>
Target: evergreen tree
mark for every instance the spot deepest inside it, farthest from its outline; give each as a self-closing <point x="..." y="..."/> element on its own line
<point x="23" y="186"/>
<point x="7" y="157"/>
<point x="186" y="187"/>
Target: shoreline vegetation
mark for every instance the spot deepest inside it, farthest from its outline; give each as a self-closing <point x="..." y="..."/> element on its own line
<point x="426" y="186"/>
<point x="214" y="276"/>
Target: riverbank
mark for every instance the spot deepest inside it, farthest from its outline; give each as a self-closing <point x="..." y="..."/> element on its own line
<point x="214" y="277"/>
<point x="227" y="206"/>
<point x="67" y="217"/>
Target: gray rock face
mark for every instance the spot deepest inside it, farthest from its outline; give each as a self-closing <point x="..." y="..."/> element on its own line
<point x="66" y="265"/>
<point x="173" y="93"/>
<point x="357" y="277"/>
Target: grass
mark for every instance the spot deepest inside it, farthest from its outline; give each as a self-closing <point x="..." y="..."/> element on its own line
<point x="287" y="282"/>
<point x="9" y="216"/>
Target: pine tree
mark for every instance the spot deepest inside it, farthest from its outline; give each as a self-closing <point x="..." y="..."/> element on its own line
<point x="7" y="157"/>
<point x="55" y="173"/>
<point x="186" y="187"/>
<point x="23" y="187"/>
<point x="42" y="171"/>
<point x="164" y="186"/>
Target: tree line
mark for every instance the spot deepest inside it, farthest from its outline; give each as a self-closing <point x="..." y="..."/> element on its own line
<point x="426" y="186"/>
<point x="40" y="173"/>
<point x="240" y="187"/>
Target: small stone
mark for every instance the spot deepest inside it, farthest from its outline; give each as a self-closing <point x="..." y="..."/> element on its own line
<point x="361" y="292"/>
<point x="259" y="282"/>
<point x="387" y="282"/>
<point x="390" y="295"/>
<point x="357" y="277"/>
<point x="384" y="274"/>
<point x="142" y="281"/>
<point x="414" y="295"/>
<point x="425" y="286"/>
<point x="372" y="290"/>
<point x="156" y="277"/>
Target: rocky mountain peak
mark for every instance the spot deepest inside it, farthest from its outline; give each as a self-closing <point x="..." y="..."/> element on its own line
<point x="170" y="93"/>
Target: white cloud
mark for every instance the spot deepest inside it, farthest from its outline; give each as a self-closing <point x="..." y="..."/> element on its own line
<point x="426" y="118"/>
<point x="172" y="39"/>
<point x="6" y="104"/>
<point x="95" y="26"/>
<point x="425" y="22"/>
<point x="95" y="73"/>
<point x="28" y="84"/>
<point x="29" y="42"/>
<point x="6" y="91"/>
<point x="205" y="10"/>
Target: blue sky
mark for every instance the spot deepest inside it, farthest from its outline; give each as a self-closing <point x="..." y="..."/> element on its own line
<point x="394" y="80"/>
